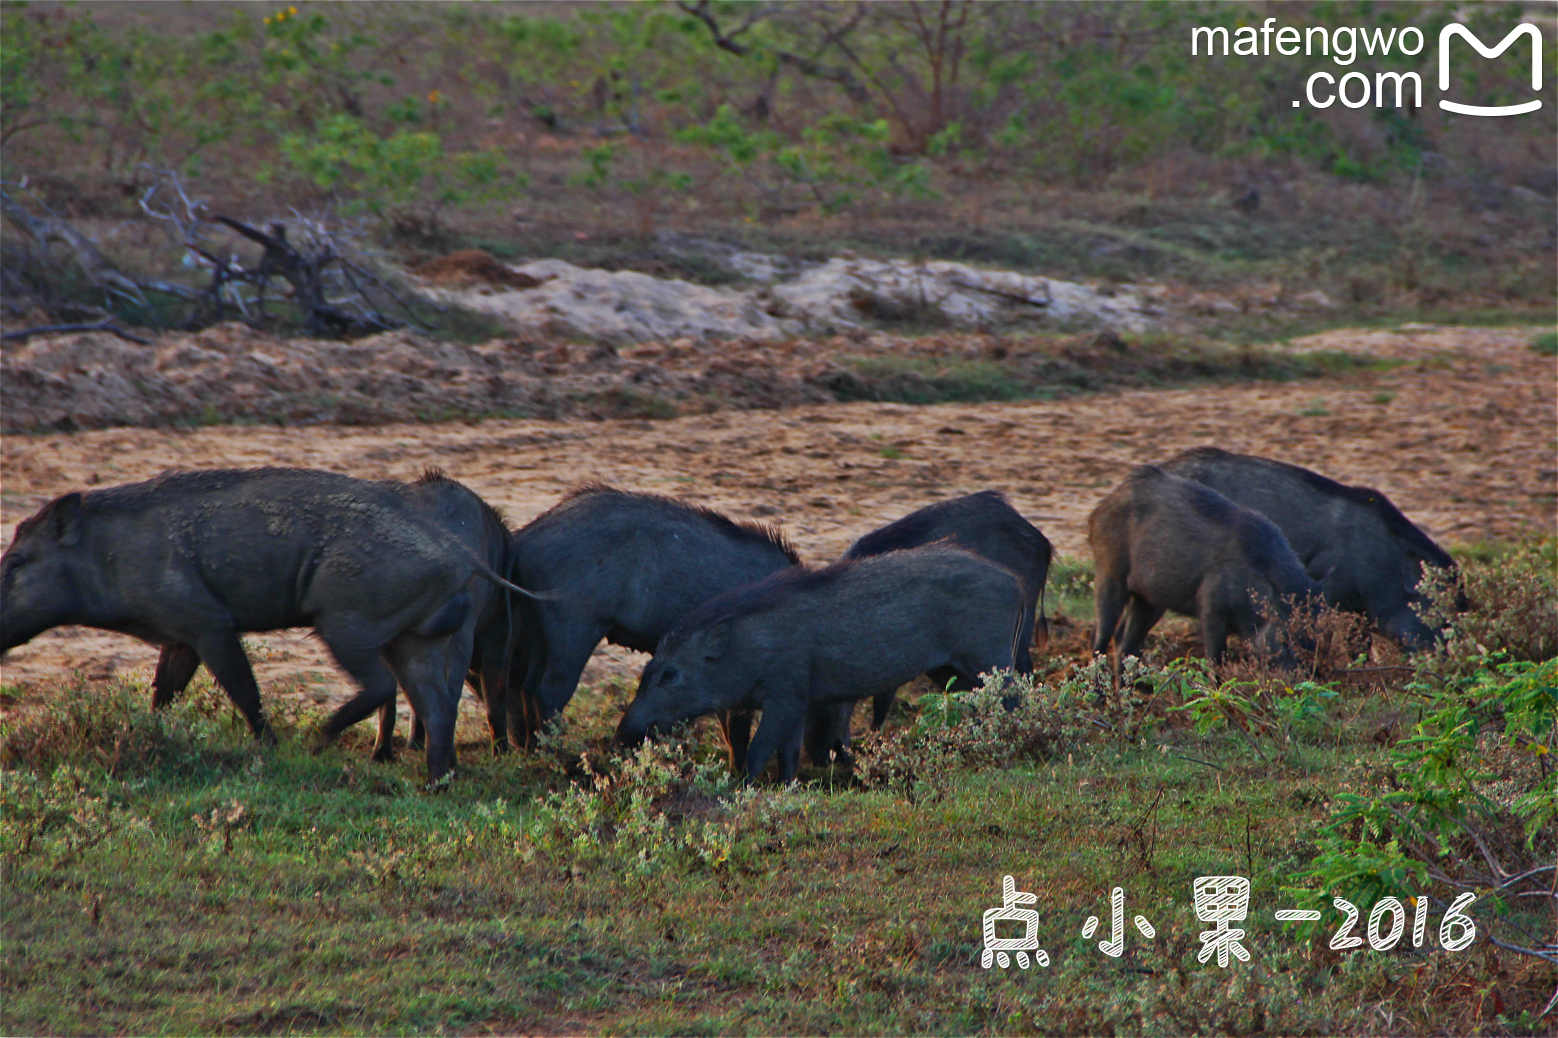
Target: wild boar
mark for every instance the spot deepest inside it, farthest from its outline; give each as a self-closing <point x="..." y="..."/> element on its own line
<point x="472" y="522"/>
<point x="1367" y="556"/>
<point x="813" y="636"/>
<point x="987" y="525"/>
<point x="621" y="566"/>
<point x="1161" y="542"/>
<point x="190" y="560"/>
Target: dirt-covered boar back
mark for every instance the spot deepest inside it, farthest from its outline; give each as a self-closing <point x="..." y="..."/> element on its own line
<point x="1367" y="556"/>
<point x="1165" y="543"/>
<point x="813" y="636"/>
<point x="194" y="559"/>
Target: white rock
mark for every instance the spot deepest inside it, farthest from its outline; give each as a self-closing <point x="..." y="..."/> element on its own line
<point x="625" y="307"/>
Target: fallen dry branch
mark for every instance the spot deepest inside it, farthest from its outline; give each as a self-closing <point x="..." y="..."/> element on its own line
<point x="100" y="326"/>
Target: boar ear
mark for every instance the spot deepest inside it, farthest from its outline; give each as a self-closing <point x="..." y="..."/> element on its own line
<point x="67" y="520"/>
<point x="718" y="641"/>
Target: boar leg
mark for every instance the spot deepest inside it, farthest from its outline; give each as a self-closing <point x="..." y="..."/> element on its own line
<point x="490" y="670"/>
<point x="1214" y="633"/>
<point x="1023" y="663"/>
<point x="568" y="649"/>
<point x="1109" y="600"/>
<point x="175" y="667"/>
<point x="827" y="731"/>
<point x="790" y="751"/>
<point x="736" y="726"/>
<point x="782" y="720"/>
<point x="364" y="703"/>
<point x="1140" y="617"/>
<point x="423" y="668"/>
<point x="384" y="745"/>
<point x="524" y="674"/>
<point x="223" y="655"/>
<point x="882" y="705"/>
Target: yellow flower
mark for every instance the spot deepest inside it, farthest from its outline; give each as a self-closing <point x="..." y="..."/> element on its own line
<point x="294" y="10"/>
<point x="434" y="97"/>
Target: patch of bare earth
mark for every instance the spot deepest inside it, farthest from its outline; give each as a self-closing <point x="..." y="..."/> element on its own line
<point x="1462" y="439"/>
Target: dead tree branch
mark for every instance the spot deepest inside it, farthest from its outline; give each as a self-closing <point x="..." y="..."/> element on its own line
<point x="843" y="77"/>
<point x="100" y="326"/>
<point x="47" y="229"/>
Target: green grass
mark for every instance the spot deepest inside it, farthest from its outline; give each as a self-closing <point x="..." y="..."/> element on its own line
<point x="1546" y="344"/>
<point x="164" y="875"/>
<point x="1049" y="367"/>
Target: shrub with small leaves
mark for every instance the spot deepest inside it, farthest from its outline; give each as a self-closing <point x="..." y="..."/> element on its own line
<point x="658" y="809"/>
<point x="61" y="816"/>
<point x="960" y="731"/>
<point x="1508" y="604"/>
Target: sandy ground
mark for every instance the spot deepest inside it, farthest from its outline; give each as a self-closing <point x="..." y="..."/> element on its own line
<point x="1462" y="439"/>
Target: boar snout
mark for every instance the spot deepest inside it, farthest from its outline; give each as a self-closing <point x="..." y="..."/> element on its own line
<point x="632" y="730"/>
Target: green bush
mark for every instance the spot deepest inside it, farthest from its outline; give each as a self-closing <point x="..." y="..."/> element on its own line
<point x="1438" y="809"/>
<point x="405" y="178"/>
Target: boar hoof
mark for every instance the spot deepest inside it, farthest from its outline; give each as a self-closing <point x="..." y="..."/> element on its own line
<point x="384" y="754"/>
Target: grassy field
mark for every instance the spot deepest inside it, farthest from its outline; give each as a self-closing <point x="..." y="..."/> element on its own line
<point x="165" y="876"/>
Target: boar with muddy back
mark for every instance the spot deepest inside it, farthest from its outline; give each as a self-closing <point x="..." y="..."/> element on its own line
<point x="1161" y="542"/>
<point x="985" y="524"/>
<point x="484" y="637"/>
<point x="1367" y="556"/>
<point x="805" y="637"/>
<point x="191" y="560"/>
<point x="621" y="566"/>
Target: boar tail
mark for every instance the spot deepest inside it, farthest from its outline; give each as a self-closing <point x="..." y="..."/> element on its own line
<point x="1041" y="622"/>
<point x="484" y="570"/>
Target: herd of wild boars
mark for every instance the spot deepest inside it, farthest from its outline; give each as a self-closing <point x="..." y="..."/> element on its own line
<point x="421" y="586"/>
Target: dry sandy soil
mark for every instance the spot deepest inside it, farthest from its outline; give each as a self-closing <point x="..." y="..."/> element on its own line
<point x="1462" y="439"/>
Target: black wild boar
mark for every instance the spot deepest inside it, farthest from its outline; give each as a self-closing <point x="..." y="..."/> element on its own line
<point x="193" y="559"/>
<point x="1161" y="542"/>
<point x="1367" y="556"/>
<point x="472" y="522"/>
<point x="843" y="632"/>
<point x="624" y="567"/>
<point x="985" y="524"/>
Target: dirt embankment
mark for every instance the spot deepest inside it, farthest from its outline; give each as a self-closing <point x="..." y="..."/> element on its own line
<point x="233" y="373"/>
<point x="1462" y="438"/>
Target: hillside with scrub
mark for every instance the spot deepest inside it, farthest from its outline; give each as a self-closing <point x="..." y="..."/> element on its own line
<point x="1072" y="140"/>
